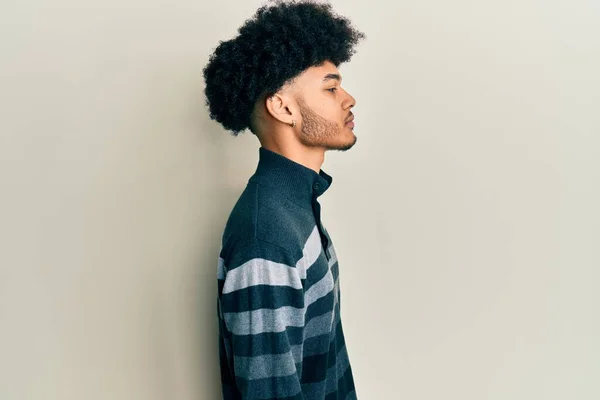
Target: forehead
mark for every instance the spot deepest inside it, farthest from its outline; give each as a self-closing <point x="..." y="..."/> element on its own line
<point x="316" y="74"/>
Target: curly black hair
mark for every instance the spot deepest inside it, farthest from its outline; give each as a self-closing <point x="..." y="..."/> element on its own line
<point x="272" y="48"/>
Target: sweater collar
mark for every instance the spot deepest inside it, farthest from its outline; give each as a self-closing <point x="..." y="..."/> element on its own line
<point x="293" y="180"/>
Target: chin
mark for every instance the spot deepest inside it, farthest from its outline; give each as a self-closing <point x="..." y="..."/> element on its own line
<point x="345" y="145"/>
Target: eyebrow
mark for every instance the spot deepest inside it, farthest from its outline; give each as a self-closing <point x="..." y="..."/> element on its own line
<point x="331" y="76"/>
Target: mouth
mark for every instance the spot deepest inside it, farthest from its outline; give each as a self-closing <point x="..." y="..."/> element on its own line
<point x="350" y="121"/>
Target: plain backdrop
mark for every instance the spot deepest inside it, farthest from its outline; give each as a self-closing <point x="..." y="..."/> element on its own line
<point x="466" y="218"/>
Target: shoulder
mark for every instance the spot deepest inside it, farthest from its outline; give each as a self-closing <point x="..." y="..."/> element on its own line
<point x="262" y="222"/>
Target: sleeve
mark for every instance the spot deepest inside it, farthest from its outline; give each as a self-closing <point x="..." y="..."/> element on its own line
<point x="262" y="317"/>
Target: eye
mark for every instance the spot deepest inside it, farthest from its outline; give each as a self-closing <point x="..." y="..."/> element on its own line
<point x="332" y="89"/>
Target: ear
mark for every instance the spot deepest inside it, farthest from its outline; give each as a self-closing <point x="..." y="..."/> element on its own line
<point x="280" y="107"/>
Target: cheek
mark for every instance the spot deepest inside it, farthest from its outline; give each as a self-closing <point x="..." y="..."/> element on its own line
<point x="329" y="109"/>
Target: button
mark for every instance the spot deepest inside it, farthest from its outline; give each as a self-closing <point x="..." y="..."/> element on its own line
<point x="316" y="186"/>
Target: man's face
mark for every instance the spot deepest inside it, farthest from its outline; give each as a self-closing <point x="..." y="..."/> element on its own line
<point x="324" y="109"/>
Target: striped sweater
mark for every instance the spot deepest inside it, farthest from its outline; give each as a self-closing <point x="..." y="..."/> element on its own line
<point x="280" y="332"/>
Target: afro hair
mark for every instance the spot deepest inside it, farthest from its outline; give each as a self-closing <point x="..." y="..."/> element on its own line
<point x="272" y="48"/>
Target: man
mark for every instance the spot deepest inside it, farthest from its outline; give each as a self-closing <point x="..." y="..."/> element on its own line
<point x="280" y="331"/>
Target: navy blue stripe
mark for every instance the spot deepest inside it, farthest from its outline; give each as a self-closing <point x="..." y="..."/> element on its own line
<point x="336" y="345"/>
<point x="242" y="252"/>
<point x="267" y="343"/>
<point x="262" y="296"/>
<point x="317" y="271"/>
<point x="320" y="306"/>
<point x="345" y="385"/>
<point x="278" y="387"/>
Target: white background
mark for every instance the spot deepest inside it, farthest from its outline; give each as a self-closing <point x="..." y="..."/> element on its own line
<point x="466" y="218"/>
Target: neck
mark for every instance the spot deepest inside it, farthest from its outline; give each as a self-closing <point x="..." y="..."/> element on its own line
<point x="310" y="157"/>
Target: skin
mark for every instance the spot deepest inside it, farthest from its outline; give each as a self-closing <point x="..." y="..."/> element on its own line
<point x="319" y="107"/>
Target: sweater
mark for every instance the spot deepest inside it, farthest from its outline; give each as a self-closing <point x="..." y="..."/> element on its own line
<point x="278" y="304"/>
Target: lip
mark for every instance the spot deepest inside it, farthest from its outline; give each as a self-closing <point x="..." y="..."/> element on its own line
<point x="350" y="121"/>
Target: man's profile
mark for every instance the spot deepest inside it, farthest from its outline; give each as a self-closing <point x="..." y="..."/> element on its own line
<point x="280" y="331"/>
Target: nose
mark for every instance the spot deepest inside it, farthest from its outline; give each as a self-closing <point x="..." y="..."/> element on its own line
<point x="352" y="101"/>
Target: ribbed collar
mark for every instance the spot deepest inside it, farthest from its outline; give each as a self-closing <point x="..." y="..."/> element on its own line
<point x="295" y="181"/>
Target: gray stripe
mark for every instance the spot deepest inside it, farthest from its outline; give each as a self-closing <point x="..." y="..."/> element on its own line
<point x="264" y="320"/>
<point x="325" y="285"/>
<point x="333" y="258"/>
<point x="336" y="289"/>
<point x="260" y="271"/>
<point x="221" y="271"/>
<point x="319" y="289"/>
<point x="265" y="366"/>
<point x="332" y="261"/>
<point x="318" y="325"/>
<point x="297" y="352"/>
<point x="320" y="346"/>
<point x="310" y="252"/>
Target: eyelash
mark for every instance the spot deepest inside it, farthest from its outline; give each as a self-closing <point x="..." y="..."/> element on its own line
<point x="332" y="89"/>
